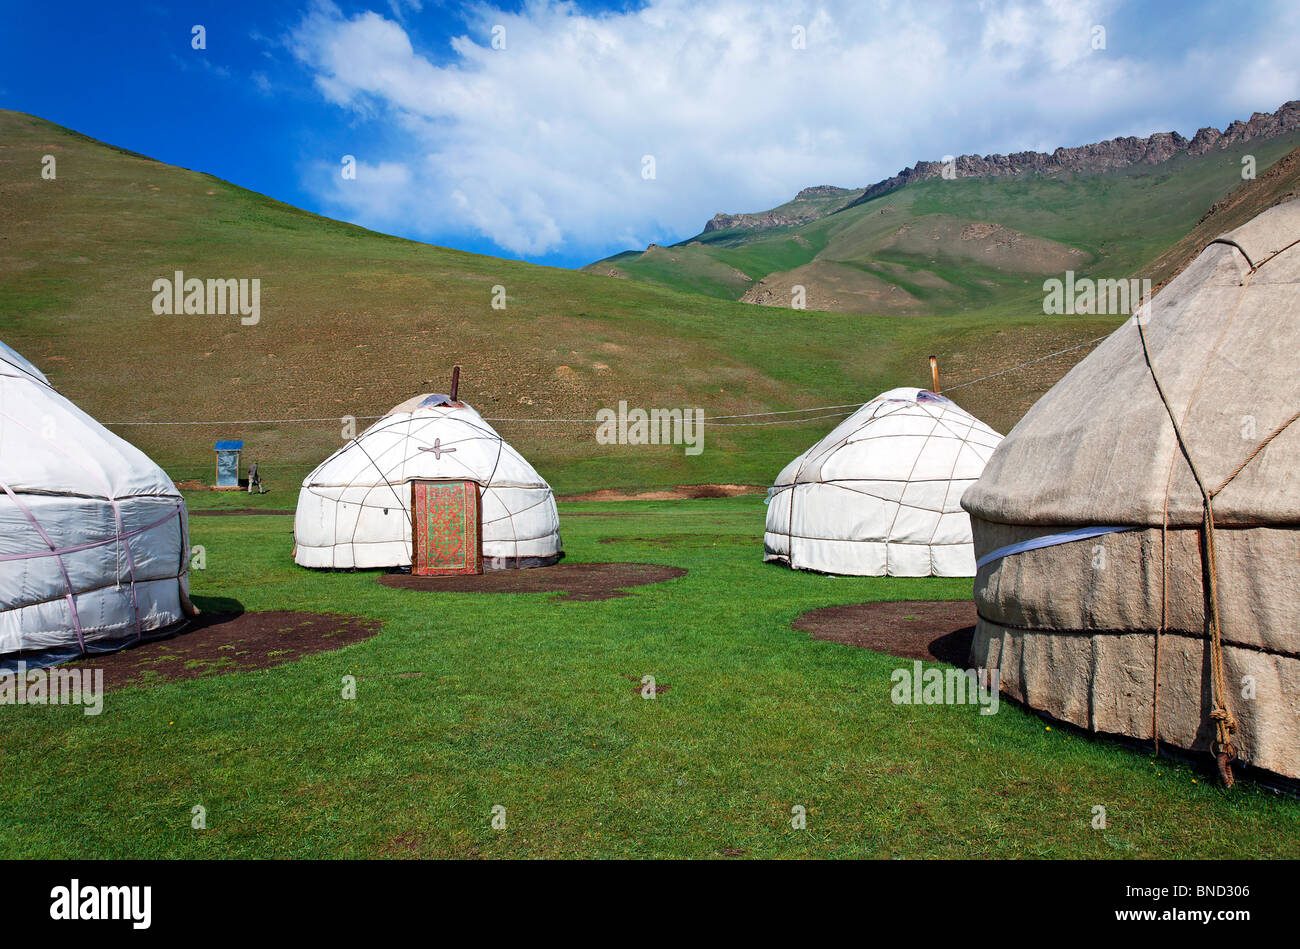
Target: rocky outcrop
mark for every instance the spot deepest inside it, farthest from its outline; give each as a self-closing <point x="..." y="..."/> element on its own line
<point x="1102" y="156"/>
<point x="823" y="191"/>
<point x="727" y="222"/>
<point x="808" y="205"/>
<point x="1085" y="159"/>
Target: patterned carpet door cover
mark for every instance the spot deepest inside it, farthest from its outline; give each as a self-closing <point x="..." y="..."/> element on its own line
<point x="448" y="535"/>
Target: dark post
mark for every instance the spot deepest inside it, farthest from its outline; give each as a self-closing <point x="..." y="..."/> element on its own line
<point x="455" y="382"/>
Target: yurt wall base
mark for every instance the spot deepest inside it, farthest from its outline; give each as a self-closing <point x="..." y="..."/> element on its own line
<point x="869" y="558"/>
<point x="521" y="563"/>
<point x="37" y="634"/>
<point x="1103" y="681"/>
<point x="1072" y="629"/>
<point x="125" y="560"/>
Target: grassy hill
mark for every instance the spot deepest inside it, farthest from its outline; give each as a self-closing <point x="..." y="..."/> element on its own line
<point x="353" y="322"/>
<point x="1279" y="184"/>
<point x="955" y="246"/>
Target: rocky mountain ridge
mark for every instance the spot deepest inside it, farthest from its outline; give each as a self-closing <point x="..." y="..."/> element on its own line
<point x="1104" y="156"/>
<point x="808" y="205"/>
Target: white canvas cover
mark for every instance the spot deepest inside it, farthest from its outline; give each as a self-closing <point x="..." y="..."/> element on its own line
<point x="354" y="510"/>
<point x="880" y="495"/>
<point x="94" y="541"/>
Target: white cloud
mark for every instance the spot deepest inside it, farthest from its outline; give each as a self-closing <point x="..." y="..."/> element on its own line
<point x="538" y="146"/>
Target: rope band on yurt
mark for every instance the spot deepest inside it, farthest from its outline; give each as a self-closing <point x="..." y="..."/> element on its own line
<point x="1220" y="713"/>
<point x="1164" y="608"/>
<point x="1258" y="448"/>
<point x="63" y="568"/>
<point x="90" y="545"/>
<point x="96" y="475"/>
<point x="1254" y="266"/>
<point x="26" y="374"/>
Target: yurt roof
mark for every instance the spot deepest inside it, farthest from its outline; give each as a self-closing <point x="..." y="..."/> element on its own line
<point x="428" y="437"/>
<point x="1099" y="447"/>
<point x="53" y="447"/>
<point x="13" y="362"/>
<point x="904" y="434"/>
<point x="427" y="401"/>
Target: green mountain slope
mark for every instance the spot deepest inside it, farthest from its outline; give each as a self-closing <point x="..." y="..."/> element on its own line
<point x="966" y="245"/>
<point x="1281" y="183"/>
<point x="353" y="322"/>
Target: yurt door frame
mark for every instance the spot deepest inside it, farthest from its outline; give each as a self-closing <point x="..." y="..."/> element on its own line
<point x="446" y="528"/>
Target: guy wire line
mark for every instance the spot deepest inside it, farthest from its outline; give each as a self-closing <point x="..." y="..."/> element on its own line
<point x="717" y="419"/>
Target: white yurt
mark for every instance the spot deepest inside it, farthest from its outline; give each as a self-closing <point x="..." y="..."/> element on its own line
<point x="94" y="537"/>
<point x="880" y="495"/>
<point x="431" y="486"/>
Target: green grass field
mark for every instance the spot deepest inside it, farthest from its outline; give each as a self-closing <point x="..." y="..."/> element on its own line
<point x="528" y="702"/>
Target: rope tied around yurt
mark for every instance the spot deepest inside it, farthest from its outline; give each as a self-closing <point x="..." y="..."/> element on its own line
<point x="1258" y="448"/>
<point x="1225" y="723"/>
<point x="1220" y="712"/>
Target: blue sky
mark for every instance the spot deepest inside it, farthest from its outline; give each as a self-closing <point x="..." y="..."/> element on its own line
<point x="538" y="149"/>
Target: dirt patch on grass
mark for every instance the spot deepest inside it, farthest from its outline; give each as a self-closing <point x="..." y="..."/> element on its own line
<point x="577" y="581"/>
<point x="220" y="643"/>
<point x="914" y="629"/>
<point x="681" y="492"/>
<point x="639" y="689"/>
<point x="640" y="686"/>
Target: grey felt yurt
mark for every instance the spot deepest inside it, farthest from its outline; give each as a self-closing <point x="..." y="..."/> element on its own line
<point x="1137" y="535"/>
